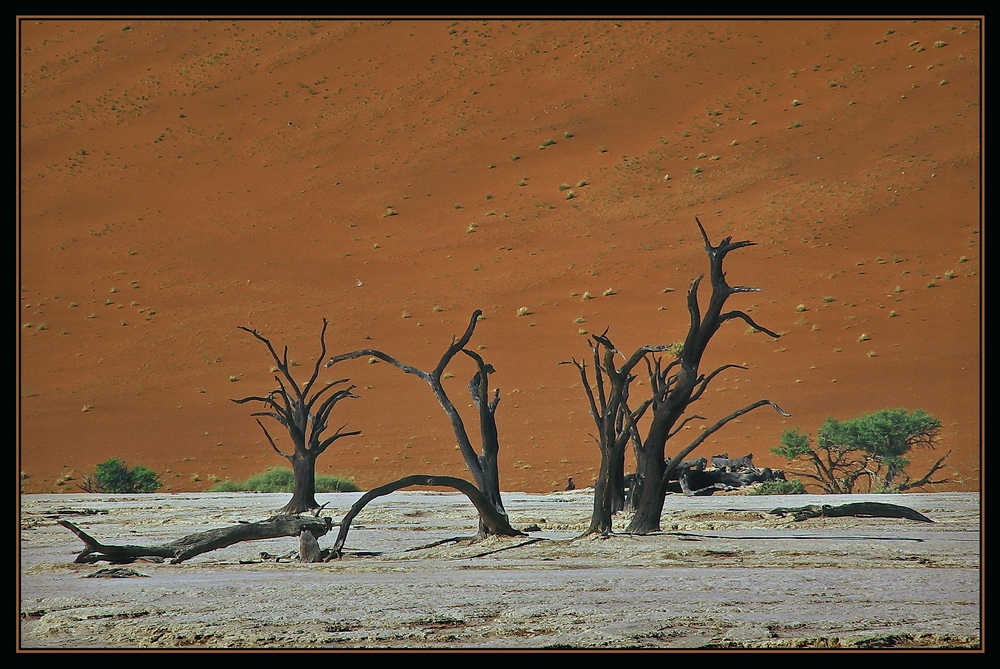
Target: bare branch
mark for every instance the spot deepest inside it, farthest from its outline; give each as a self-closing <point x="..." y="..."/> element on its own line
<point x="271" y="441"/>
<point x="582" y="367"/>
<point x="319" y="360"/>
<point x="641" y="353"/>
<point x="337" y="435"/>
<point x="926" y="478"/>
<point x="374" y="353"/>
<point x="677" y="459"/>
<point x="683" y="423"/>
<point x="749" y="321"/>
<point x="694" y="311"/>
<point x="265" y="400"/>
<point x="457" y="345"/>
<point x="489" y="516"/>
<point x="323" y="413"/>
<point x="479" y="387"/>
<point x="704" y="381"/>
<point x="330" y="385"/>
<point x="724" y="247"/>
<point x="281" y="363"/>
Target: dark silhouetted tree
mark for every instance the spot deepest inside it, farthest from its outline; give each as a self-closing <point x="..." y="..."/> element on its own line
<point x="304" y="411"/>
<point x="674" y="387"/>
<point x="482" y="465"/>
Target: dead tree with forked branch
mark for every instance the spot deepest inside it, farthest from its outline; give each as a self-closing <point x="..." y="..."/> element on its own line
<point x="482" y="465"/>
<point x="674" y="387"/>
<point x="617" y="423"/>
<point x="674" y="392"/>
<point x="304" y="411"/>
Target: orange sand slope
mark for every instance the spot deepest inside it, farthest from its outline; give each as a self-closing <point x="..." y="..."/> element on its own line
<point x="180" y="178"/>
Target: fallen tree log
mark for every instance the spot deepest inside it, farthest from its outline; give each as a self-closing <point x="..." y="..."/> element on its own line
<point x="859" y="509"/>
<point x="202" y="542"/>
<point x="491" y="517"/>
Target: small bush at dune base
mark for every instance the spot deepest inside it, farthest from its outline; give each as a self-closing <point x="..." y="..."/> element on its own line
<point x="227" y="486"/>
<point x="792" y="487"/>
<point x="115" y="476"/>
<point x="279" y="479"/>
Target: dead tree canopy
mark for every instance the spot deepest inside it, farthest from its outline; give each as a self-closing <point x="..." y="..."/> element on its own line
<point x="304" y="411"/>
<point x="676" y="387"/>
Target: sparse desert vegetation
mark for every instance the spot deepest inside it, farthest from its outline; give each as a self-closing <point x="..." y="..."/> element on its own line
<point x="281" y="479"/>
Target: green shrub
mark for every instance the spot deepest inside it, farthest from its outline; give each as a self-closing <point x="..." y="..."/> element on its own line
<point x="869" y="452"/>
<point x="281" y="479"/>
<point x="114" y="476"/>
<point x="792" y="487"/>
<point x="275" y="479"/>
<point x="227" y="486"/>
<point x="325" y="483"/>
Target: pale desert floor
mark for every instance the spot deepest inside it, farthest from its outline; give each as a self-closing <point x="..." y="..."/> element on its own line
<point x="724" y="574"/>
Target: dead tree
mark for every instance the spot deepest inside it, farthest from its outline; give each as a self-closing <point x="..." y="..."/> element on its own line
<point x="674" y="388"/>
<point x="674" y="393"/>
<point x="617" y="423"/>
<point x="304" y="411"/>
<point x="702" y="482"/>
<point x="482" y="466"/>
<point x="495" y="521"/>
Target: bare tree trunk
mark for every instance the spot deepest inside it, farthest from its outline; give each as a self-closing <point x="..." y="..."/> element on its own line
<point x="608" y="496"/>
<point x="648" y="495"/>
<point x="304" y="493"/>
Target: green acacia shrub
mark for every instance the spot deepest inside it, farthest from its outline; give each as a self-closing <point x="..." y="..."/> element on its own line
<point x="281" y="479"/>
<point x="113" y="475"/>
<point x="870" y="449"/>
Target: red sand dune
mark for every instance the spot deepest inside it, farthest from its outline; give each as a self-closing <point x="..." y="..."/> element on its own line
<point x="180" y="178"/>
